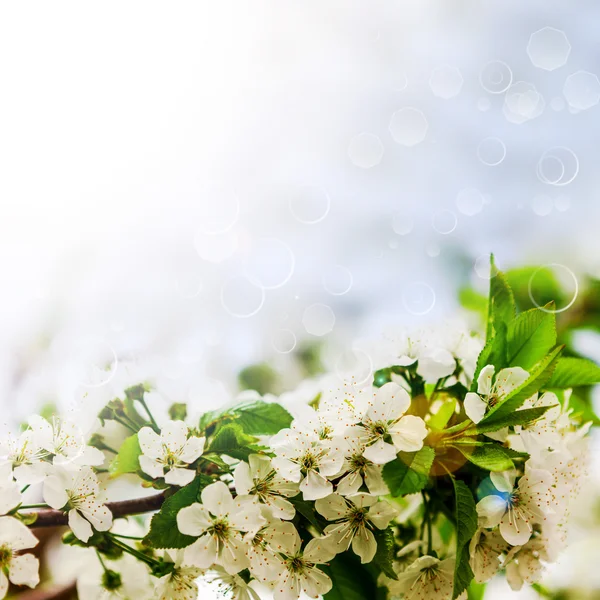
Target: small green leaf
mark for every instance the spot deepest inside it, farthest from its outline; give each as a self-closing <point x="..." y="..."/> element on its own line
<point x="490" y="457"/>
<point x="530" y="337"/>
<point x="307" y="510"/>
<point x="163" y="526"/>
<point x="493" y="353"/>
<point x="574" y="372"/>
<point x="518" y="417"/>
<point x="466" y="526"/>
<point x="582" y="411"/>
<point x="230" y="439"/>
<point x="262" y="418"/>
<point x="538" y="377"/>
<point x="443" y="415"/>
<point x="127" y="460"/>
<point x="501" y="307"/>
<point x="409" y="473"/>
<point x="384" y="557"/>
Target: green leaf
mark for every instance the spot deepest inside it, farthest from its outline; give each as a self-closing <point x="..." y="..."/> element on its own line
<point x="574" y="372"/>
<point x="501" y="307"/>
<point x="163" y="526"/>
<point x="351" y="580"/>
<point x="261" y="378"/>
<point x="262" y="418"/>
<point x="127" y="460"/>
<point x="518" y="417"/>
<point x="231" y="440"/>
<point x="409" y="473"/>
<point x="443" y="415"/>
<point x="474" y="301"/>
<point x="538" y="377"/>
<point x="490" y="457"/>
<point x="384" y="557"/>
<point x="583" y="411"/>
<point x="178" y="411"/>
<point x="466" y="526"/>
<point x="530" y="337"/>
<point x="307" y="510"/>
<point x="493" y="353"/>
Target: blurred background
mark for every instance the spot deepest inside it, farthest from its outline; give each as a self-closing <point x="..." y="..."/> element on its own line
<point x="233" y="195"/>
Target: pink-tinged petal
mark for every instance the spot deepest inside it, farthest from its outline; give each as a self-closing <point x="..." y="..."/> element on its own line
<point x="192" y="449"/>
<point x="193" y="520"/>
<point x="315" y="486"/>
<point x="491" y="509"/>
<point x="408" y="433"/>
<point x="150" y="443"/>
<point x="475" y="407"/>
<point x="217" y="499"/>
<point x="179" y="476"/>
<point x="484" y="381"/>
<point x="380" y="452"/>
<point x="24" y="570"/>
<point x="80" y="526"/>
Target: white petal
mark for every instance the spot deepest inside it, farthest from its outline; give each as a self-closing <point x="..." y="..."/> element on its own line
<point x="174" y="435"/>
<point x="202" y="553"/>
<point x="151" y="466"/>
<point x="79" y="526"/>
<point x="504" y="481"/>
<point x="54" y="492"/>
<point x="315" y="486"/>
<point x="24" y="570"/>
<point x="374" y="481"/>
<point x="318" y="552"/>
<point x="217" y="498"/>
<point x="475" y="407"/>
<point x="332" y="507"/>
<point x="509" y="379"/>
<point x="287" y="469"/>
<point x="150" y="443"/>
<point x="315" y="583"/>
<point x="381" y="514"/>
<point x="10" y="497"/>
<point x="515" y="529"/>
<point x="43" y="433"/>
<point x="491" y="509"/>
<point x="192" y="449"/>
<point x="380" y="452"/>
<point x="282" y="508"/>
<point x="91" y="456"/>
<point x="484" y="381"/>
<point x="246" y="516"/>
<point x="179" y="476"/>
<point x="260" y="466"/>
<point x="436" y="364"/>
<point x="287" y="588"/>
<point x="350" y="484"/>
<point x="3" y="584"/>
<point x="97" y="514"/>
<point x="17" y="535"/>
<point x="408" y="433"/>
<point x="241" y="477"/>
<point x="389" y="403"/>
<point x="364" y="545"/>
<point x="193" y="520"/>
<point x="233" y="557"/>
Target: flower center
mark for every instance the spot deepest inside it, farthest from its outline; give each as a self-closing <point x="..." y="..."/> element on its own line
<point x="358" y="462"/>
<point x="296" y="564"/>
<point x="6" y="554"/>
<point x="379" y="429"/>
<point x="111" y="580"/>
<point x="358" y="517"/>
<point x="220" y="529"/>
<point x="309" y="462"/>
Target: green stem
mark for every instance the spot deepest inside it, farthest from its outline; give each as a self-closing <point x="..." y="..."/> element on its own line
<point x="150" y="416"/>
<point x="101" y="561"/>
<point x="125" y="424"/>
<point x="25" y="488"/>
<point x="28" y="506"/>
<point x="428" y="522"/>
<point x="139" y="555"/>
<point x="126" y="537"/>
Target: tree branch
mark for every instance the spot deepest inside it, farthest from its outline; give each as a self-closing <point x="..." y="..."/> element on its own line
<point x="49" y="593"/>
<point x="124" y="508"/>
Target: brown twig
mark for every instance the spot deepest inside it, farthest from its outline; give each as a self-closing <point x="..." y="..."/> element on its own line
<point x="62" y="592"/>
<point x="124" y="508"/>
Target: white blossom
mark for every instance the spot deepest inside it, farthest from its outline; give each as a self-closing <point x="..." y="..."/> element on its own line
<point x="258" y="479"/>
<point x="169" y="454"/>
<point x="299" y="569"/>
<point x="427" y="578"/>
<point x="16" y="567"/>
<point x="231" y="586"/>
<point x="517" y="509"/>
<point x="305" y="458"/>
<point x="355" y="519"/>
<point x="78" y="493"/>
<point x="180" y="583"/>
<point x="485" y="549"/>
<point x="24" y="457"/>
<point x="218" y="523"/>
<point x="385" y="419"/>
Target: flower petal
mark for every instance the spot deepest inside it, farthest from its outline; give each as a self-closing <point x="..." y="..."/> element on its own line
<point x="509" y="379"/>
<point x="193" y="520"/>
<point x="389" y="402"/>
<point x="475" y="407"/>
<point x="151" y="466"/>
<point x="150" y="443"/>
<point x="408" y="433"/>
<point x="202" y="553"/>
<point x="174" y="435"/>
<point x="192" y="449"/>
<point x="80" y="526"/>
<point x="217" y="498"/>
<point x="364" y="545"/>
<point x="491" y="509"/>
<point x="179" y="476"/>
<point x="24" y="570"/>
<point x="484" y="381"/>
<point x="54" y="492"/>
<point x="315" y="486"/>
<point x="332" y="507"/>
<point x="241" y="477"/>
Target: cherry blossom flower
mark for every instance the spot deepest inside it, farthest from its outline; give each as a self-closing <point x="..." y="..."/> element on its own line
<point x="489" y="392"/>
<point x="65" y="442"/>
<point x="304" y="458"/>
<point x="169" y="454"/>
<point x="299" y="569"/>
<point x="517" y="509"/>
<point x="180" y="583"/>
<point x="355" y="519"/>
<point x="485" y="550"/>
<point x="427" y="578"/>
<point x="258" y="479"/>
<point x="385" y="420"/>
<point x="78" y="493"/>
<point x="122" y="579"/>
<point x="18" y="568"/>
<point x="357" y="469"/>
<point x="10" y="495"/>
<point x="218" y="523"/>
<point x="231" y="586"/>
<point x="24" y="457"/>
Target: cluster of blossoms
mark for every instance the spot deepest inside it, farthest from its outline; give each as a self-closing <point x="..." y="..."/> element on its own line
<point x="449" y="435"/>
